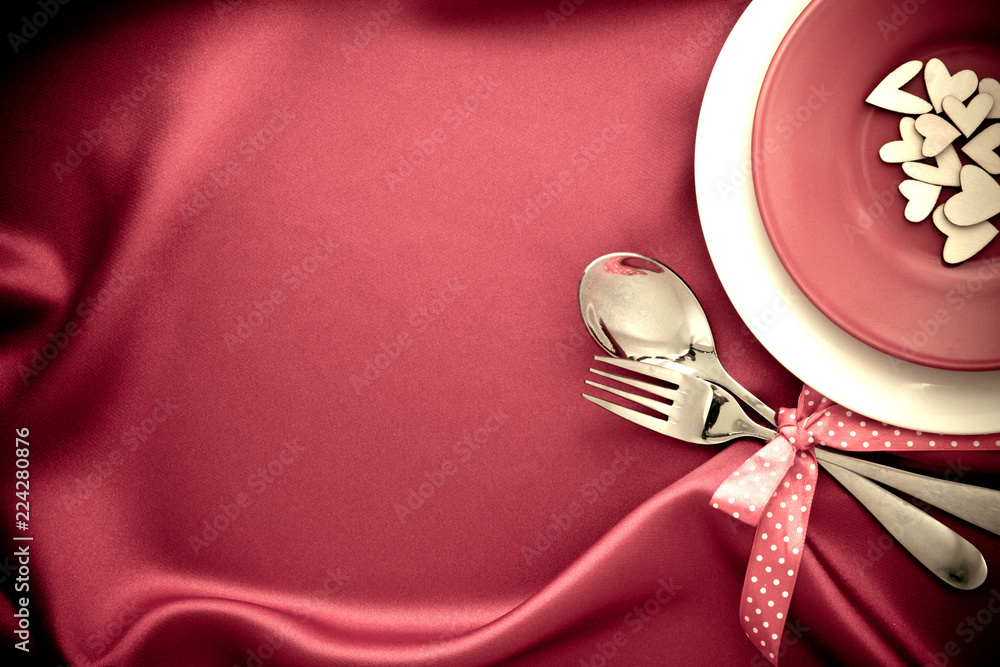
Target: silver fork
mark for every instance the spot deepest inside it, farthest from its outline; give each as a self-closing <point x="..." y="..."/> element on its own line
<point x="704" y="413"/>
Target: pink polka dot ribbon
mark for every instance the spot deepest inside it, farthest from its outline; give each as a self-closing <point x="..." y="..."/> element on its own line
<point x="774" y="488"/>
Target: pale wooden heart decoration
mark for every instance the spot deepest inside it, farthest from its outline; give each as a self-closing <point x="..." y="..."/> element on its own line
<point x="992" y="88"/>
<point x="967" y="118"/>
<point x="907" y="149"/>
<point x="947" y="171"/>
<point x="979" y="199"/>
<point x="937" y="132"/>
<point x="965" y="218"/>
<point x="887" y="93"/>
<point x="982" y="148"/>
<point x="921" y="199"/>
<point x="940" y="83"/>
<point x="962" y="242"/>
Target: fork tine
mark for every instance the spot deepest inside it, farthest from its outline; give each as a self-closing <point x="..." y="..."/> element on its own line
<point x="652" y="404"/>
<point x="661" y="426"/>
<point x="657" y="390"/>
<point x="671" y="375"/>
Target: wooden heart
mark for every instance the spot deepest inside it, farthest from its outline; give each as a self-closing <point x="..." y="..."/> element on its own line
<point x="940" y="83"/>
<point x="947" y="171"/>
<point x="937" y="133"/>
<point x="979" y="199"/>
<point x="907" y="149"/>
<point x="887" y="93"/>
<point x="962" y="242"/>
<point x="992" y="88"/>
<point x="968" y="117"/>
<point x="921" y="199"/>
<point x="982" y="148"/>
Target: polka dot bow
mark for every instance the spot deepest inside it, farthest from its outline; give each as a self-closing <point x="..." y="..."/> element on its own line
<point x="773" y="490"/>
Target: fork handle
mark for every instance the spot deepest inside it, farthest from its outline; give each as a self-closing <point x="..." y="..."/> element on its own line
<point x="977" y="505"/>
<point x="940" y="549"/>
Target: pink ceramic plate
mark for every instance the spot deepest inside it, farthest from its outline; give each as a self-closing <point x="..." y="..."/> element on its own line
<point x="832" y="209"/>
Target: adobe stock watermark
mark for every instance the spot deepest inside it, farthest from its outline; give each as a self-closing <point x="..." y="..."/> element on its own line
<point x="100" y="641"/>
<point x="421" y="318"/>
<point x="793" y="120"/>
<point x="224" y="8"/>
<point x="224" y="515"/>
<point x="120" y="108"/>
<point x="986" y="270"/>
<point x="967" y="630"/>
<point x="434" y="479"/>
<point x="927" y="327"/>
<point x="791" y="635"/>
<point x="635" y="621"/>
<point x="576" y="338"/>
<point x="459" y="623"/>
<point x="552" y="188"/>
<point x="770" y="314"/>
<point x="203" y="194"/>
<point x="562" y="11"/>
<point x="31" y="24"/>
<point x="131" y="440"/>
<point x="452" y="119"/>
<point x="381" y="18"/>
<point x="696" y="44"/>
<point x="898" y="17"/>
<point x="874" y="212"/>
<point x="85" y="311"/>
<point x="787" y="126"/>
<point x="264" y="309"/>
<point x="877" y="547"/>
<point x="561" y="522"/>
<point x="662" y="253"/>
<point x="275" y="639"/>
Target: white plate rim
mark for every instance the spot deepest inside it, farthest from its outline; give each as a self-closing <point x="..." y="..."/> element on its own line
<point x="786" y="323"/>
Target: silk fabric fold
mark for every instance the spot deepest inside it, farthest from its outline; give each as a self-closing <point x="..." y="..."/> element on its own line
<point x="288" y="317"/>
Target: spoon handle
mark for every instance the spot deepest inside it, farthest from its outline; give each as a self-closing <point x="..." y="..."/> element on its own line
<point x="940" y="549"/>
<point x="713" y="371"/>
<point x="753" y="402"/>
<point x="977" y="505"/>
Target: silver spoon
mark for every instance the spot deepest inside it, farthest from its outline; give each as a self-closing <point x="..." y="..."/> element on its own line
<point x="637" y="308"/>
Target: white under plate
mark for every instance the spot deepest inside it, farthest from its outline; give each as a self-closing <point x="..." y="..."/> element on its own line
<point x="799" y="336"/>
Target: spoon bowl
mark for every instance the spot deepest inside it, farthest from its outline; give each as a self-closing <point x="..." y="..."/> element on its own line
<point x="637" y="308"/>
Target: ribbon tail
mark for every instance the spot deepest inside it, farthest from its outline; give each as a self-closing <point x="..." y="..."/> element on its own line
<point x="776" y="556"/>
<point x="744" y="494"/>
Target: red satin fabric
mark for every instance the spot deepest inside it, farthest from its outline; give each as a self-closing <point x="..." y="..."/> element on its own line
<point x="290" y="317"/>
